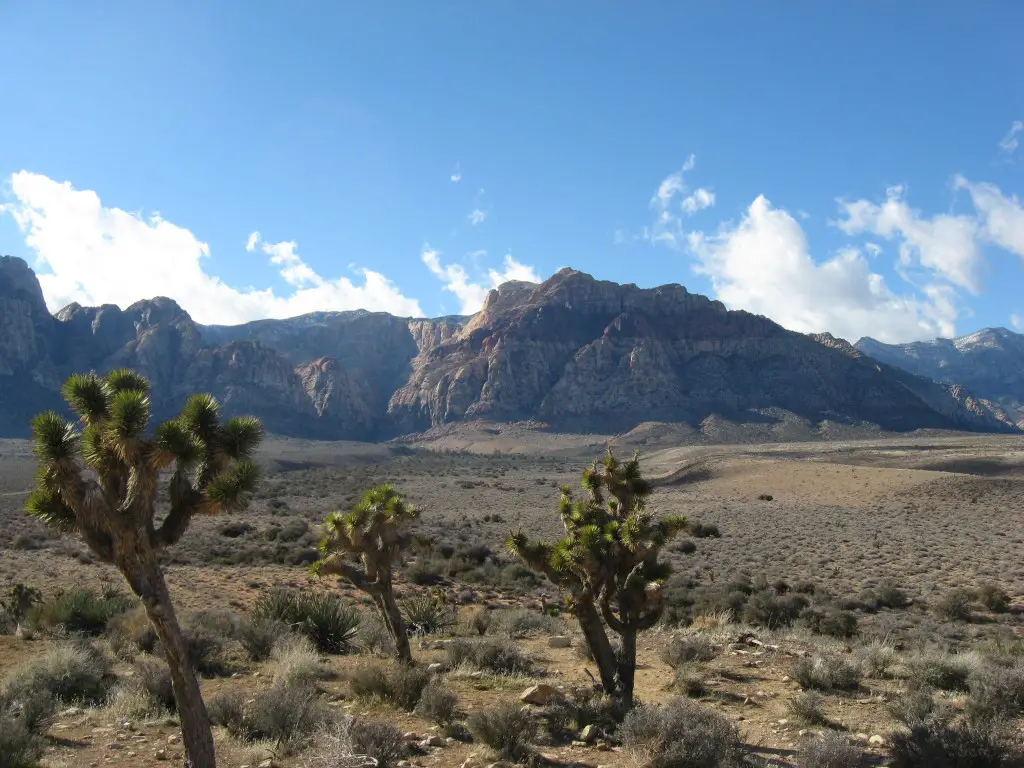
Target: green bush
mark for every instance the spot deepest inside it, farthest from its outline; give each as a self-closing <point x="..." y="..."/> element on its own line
<point x="826" y="673"/>
<point x="835" y="623"/>
<point x="945" y="671"/>
<point x="323" y="618"/>
<point x="507" y="729"/>
<point x="19" y="746"/>
<point x="427" y="615"/>
<point x="767" y="609"/>
<point x="79" y="611"/>
<point x="682" y="734"/>
<point x="493" y="655"/>
<point x="258" y="636"/>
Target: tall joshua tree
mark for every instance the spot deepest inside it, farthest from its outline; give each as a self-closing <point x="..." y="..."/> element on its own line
<point x="100" y="479"/>
<point x="363" y="547"/>
<point x="607" y="565"/>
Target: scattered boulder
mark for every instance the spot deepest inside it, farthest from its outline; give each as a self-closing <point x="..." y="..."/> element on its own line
<point x="539" y="694"/>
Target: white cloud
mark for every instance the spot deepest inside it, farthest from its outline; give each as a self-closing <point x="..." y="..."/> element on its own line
<point x="1010" y="143"/>
<point x="456" y="176"/>
<point x="1001" y="217"/>
<point x="97" y="255"/>
<point x="945" y="243"/>
<point x="477" y="216"/>
<point x="1017" y="321"/>
<point x="700" y="199"/>
<point x="668" y="226"/>
<point x="471" y="295"/>
<point x="763" y="264"/>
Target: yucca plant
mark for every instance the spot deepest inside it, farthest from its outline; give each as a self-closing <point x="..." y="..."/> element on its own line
<point x="607" y="565"/>
<point x="364" y="545"/>
<point x="100" y="479"/>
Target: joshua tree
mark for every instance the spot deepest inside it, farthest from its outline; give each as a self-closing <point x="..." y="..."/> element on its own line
<point x="363" y="547"/>
<point x="607" y="564"/>
<point x="102" y="482"/>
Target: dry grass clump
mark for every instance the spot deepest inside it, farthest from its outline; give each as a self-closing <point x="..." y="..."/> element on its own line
<point x="286" y="714"/>
<point x="508" y="729"/>
<point x="258" y="636"/>
<point x="940" y="743"/>
<point x="147" y="692"/>
<point x="67" y="673"/>
<point x="296" y="662"/>
<point x="682" y="734"/>
<point x="941" y="670"/>
<point x="517" y="623"/>
<point x="826" y="673"/>
<point x="493" y="655"/>
<point x="809" y="707"/>
<point x="438" y="704"/>
<point x="683" y="649"/>
<point x="398" y="684"/>
<point x="955" y="605"/>
<point x="994" y="597"/>
<point x="355" y="743"/>
<point x="830" y="750"/>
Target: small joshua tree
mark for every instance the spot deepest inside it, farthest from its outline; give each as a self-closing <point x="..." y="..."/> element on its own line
<point x="607" y="564"/>
<point x="363" y="547"/>
<point x="102" y="482"/>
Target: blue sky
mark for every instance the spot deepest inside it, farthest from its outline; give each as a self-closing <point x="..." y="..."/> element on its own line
<point x="846" y="167"/>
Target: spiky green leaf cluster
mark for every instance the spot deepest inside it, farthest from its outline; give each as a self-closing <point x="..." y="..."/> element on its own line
<point x="211" y="461"/>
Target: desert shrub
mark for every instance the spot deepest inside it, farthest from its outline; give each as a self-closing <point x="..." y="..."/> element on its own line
<point x="689" y="681"/>
<point x="493" y="655"/>
<point x="809" y="707"/>
<point x="936" y="743"/>
<point x="711" y="600"/>
<point x="915" y="705"/>
<point x="955" y="605"/>
<point x="705" y="531"/>
<point x="683" y="649"/>
<point x="566" y="715"/>
<point x="373" y="637"/>
<point x="993" y="597"/>
<point x="398" y="684"/>
<point x="683" y="546"/>
<point x="507" y="729"/>
<point x="296" y="662"/>
<point x="79" y="611"/>
<point x="826" y="673"/>
<point x="69" y="672"/>
<point x="427" y="614"/>
<point x="767" y="609"/>
<point x="876" y="659"/>
<point x="888" y="594"/>
<point x="205" y="649"/>
<point x="287" y="715"/>
<point x="830" y="750"/>
<point x="380" y="740"/>
<point x="425" y="572"/>
<point x="258" y="636"/>
<point x="19" y="746"/>
<point x="681" y="734"/>
<point x="832" y="622"/>
<point x="131" y="632"/>
<point x="437" y="703"/>
<point x="323" y="618"/>
<point x="518" y="623"/>
<point x="480" y="621"/>
<point x="996" y="692"/>
<point x="146" y="693"/>
<point x="945" y="671"/>
<point x="154" y="676"/>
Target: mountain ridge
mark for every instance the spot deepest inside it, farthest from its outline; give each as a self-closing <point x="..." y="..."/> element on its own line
<point x="573" y="352"/>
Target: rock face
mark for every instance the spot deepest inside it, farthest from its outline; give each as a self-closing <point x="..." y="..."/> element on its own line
<point x="575" y="352"/>
<point x="990" y="363"/>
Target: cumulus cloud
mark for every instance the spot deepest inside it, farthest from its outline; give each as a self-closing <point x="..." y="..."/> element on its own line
<point x="456" y="176"/>
<point x="668" y="226"/>
<point x="93" y="254"/>
<point x="763" y="264"/>
<point x="945" y="243"/>
<point x="1017" y="321"/>
<point x="477" y="216"/>
<point x="1010" y="143"/>
<point x="1001" y="217"/>
<point x="471" y="295"/>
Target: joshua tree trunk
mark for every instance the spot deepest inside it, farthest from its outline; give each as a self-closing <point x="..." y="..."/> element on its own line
<point x="395" y="623"/>
<point x="147" y="581"/>
<point x="627" y="666"/>
<point x="597" y="640"/>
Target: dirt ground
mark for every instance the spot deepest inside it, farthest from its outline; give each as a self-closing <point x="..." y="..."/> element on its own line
<point x="930" y="512"/>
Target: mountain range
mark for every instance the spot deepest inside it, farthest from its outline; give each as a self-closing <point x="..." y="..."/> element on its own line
<point x="571" y="352"/>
